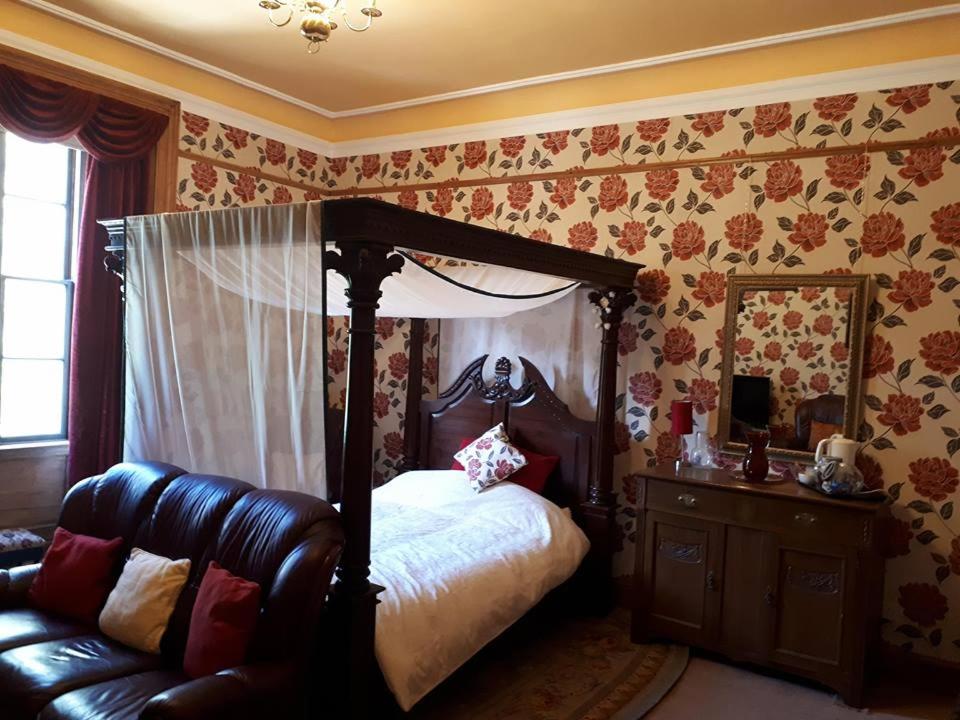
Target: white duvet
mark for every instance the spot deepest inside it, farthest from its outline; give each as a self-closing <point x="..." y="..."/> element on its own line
<point x="459" y="568"/>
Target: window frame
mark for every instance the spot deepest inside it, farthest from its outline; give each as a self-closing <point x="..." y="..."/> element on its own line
<point x="76" y="162"/>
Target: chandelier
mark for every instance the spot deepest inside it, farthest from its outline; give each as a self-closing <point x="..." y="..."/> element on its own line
<point x="317" y="19"/>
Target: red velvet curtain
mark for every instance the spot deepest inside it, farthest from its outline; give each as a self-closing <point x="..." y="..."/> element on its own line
<point x="119" y="139"/>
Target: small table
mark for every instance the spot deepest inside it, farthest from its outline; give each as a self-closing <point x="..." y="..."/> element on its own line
<point x="771" y="573"/>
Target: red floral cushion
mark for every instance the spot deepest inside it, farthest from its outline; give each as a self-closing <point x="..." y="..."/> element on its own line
<point x="222" y="622"/>
<point x="76" y="576"/>
<point x="533" y="475"/>
<point x="490" y="458"/>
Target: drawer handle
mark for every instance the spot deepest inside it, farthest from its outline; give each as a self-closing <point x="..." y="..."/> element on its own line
<point x="711" y="581"/>
<point x="687" y="500"/>
<point x="805" y="518"/>
<point x="768" y="597"/>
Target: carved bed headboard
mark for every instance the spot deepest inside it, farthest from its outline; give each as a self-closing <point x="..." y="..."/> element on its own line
<point x="534" y="417"/>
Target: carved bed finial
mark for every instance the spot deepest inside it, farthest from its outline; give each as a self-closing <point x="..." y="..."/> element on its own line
<point x="502" y="369"/>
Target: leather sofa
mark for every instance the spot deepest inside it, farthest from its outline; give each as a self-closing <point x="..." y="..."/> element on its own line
<point x="57" y="669"/>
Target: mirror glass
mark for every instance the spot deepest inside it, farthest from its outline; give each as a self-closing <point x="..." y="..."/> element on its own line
<point x="792" y="358"/>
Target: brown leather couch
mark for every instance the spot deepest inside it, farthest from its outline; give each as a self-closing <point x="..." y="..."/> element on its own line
<point x="57" y="669"/>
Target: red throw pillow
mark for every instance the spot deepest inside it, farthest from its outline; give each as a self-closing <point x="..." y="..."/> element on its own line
<point x="533" y="476"/>
<point x="76" y="575"/>
<point x="463" y="443"/>
<point x="222" y="622"/>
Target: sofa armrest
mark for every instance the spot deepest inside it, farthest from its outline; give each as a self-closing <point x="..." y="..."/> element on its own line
<point x="14" y="584"/>
<point x="249" y="691"/>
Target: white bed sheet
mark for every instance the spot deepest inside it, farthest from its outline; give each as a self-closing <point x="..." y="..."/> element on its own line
<point x="459" y="568"/>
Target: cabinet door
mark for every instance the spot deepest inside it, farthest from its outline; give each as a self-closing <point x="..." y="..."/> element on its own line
<point x="681" y="574"/>
<point x="747" y="615"/>
<point x="811" y="595"/>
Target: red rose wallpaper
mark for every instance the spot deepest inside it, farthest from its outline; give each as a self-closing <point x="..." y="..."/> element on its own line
<point x="892" y="214"/>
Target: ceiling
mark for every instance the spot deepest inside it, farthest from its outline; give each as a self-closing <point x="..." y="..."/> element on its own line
<point x="423" y="48"/>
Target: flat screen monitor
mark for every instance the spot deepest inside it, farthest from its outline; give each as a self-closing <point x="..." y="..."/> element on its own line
<point x="750" y="402"/>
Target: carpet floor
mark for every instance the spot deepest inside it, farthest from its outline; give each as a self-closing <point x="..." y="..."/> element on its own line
<point x="711" y="690"/>
<point x="575" y="669"/>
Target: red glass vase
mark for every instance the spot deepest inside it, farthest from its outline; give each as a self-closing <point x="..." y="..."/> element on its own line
<point x="755" y="463"/>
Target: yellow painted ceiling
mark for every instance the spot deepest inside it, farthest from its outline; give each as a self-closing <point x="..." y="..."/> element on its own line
<point x="427" y="47"/>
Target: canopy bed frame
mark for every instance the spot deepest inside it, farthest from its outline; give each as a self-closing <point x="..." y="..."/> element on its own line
<point x="365" y="233"/>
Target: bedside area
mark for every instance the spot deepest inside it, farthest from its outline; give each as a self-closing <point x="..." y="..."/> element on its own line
<point x="772" y="574"/>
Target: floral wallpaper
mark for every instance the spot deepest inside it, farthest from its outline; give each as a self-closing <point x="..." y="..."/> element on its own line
<point x="798" y="339"/>
<point x="205" y="184"/>
<point x="893" y="214"/>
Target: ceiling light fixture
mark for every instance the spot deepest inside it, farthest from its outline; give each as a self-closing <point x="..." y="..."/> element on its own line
<point x="317" y="18"/>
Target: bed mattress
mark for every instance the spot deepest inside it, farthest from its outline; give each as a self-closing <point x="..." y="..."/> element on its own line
<point x="459" y="568"/>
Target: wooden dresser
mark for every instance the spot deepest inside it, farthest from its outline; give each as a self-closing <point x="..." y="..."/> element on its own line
<point x="772" y="574"/>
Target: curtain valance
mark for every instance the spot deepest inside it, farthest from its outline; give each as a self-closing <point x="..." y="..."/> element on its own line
<point x="44" y="110"/>
<point x="119" y="139"/>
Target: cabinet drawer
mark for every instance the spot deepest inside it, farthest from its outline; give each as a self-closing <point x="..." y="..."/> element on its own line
<point x="812" y="523"/>
<point x="798" y="521"/>
<point x="682" y="499"/>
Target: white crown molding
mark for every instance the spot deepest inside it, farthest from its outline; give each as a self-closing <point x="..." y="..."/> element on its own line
<point x="877" y="77"/>
<point x="790" y="89"/>
<point x="188" y="101"/>
<point x="712" y="51"/>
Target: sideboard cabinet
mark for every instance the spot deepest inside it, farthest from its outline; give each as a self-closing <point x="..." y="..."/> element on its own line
<point x="773" y="574"/>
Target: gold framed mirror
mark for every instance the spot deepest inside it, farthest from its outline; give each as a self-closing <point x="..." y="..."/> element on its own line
<point x="792" y="360"/>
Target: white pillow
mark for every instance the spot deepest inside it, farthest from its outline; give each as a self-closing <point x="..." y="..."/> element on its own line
<point x="139" y="607"/>
<point x="490" y="458"/>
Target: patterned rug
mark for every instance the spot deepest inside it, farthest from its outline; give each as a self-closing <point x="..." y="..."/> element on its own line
<point x="570" y="669"/>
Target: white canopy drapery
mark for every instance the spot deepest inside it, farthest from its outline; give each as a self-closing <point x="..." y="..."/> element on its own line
<point x="216" y="380"/>
<point x="225" y="328"/>
<point x="460" y="291"/>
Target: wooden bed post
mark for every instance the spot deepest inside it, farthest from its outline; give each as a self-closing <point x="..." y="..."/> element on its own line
<point x="364" y="265"/>
<point x="599" y="511"/>
<point x="411" y="413"/>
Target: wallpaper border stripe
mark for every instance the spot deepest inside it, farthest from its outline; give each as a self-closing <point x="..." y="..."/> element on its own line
<point x="710" y="51"/>
<point x="623" y="169"/>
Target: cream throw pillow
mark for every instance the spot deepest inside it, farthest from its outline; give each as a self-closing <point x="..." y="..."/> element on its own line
<point x="139" y="608"/>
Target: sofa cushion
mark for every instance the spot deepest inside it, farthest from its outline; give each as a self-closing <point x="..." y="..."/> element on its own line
<point x="222" y="623"/>
<point x="139" y="607"/>
<point x="76" y="575"/>
<point x="119" y="699"/>
<point x="184" y="524"/>
<point x="33" y="675"/>
<point x="26" y="626"/>
<point x="117" y="502"/>
<point x="287" y="543"/>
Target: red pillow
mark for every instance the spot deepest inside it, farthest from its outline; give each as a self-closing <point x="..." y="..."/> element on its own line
<point x="222" y="622"/>
<point x="463" y="443"/>
<point x="533" y="476"/>
<point x="76" y="575"/>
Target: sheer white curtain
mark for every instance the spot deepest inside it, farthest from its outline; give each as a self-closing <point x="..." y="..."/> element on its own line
<point x="561" y="339"/>
<point x="219" y="380"/>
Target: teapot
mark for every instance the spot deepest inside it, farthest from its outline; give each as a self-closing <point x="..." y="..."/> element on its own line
<point x="839" y="447"/>
<point x="836" y="466"/>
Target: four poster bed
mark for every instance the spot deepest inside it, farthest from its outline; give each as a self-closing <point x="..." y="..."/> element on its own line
<point x="362" y="240"/>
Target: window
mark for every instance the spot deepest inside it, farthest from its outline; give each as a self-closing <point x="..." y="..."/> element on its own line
<point x="39" y="194"/>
